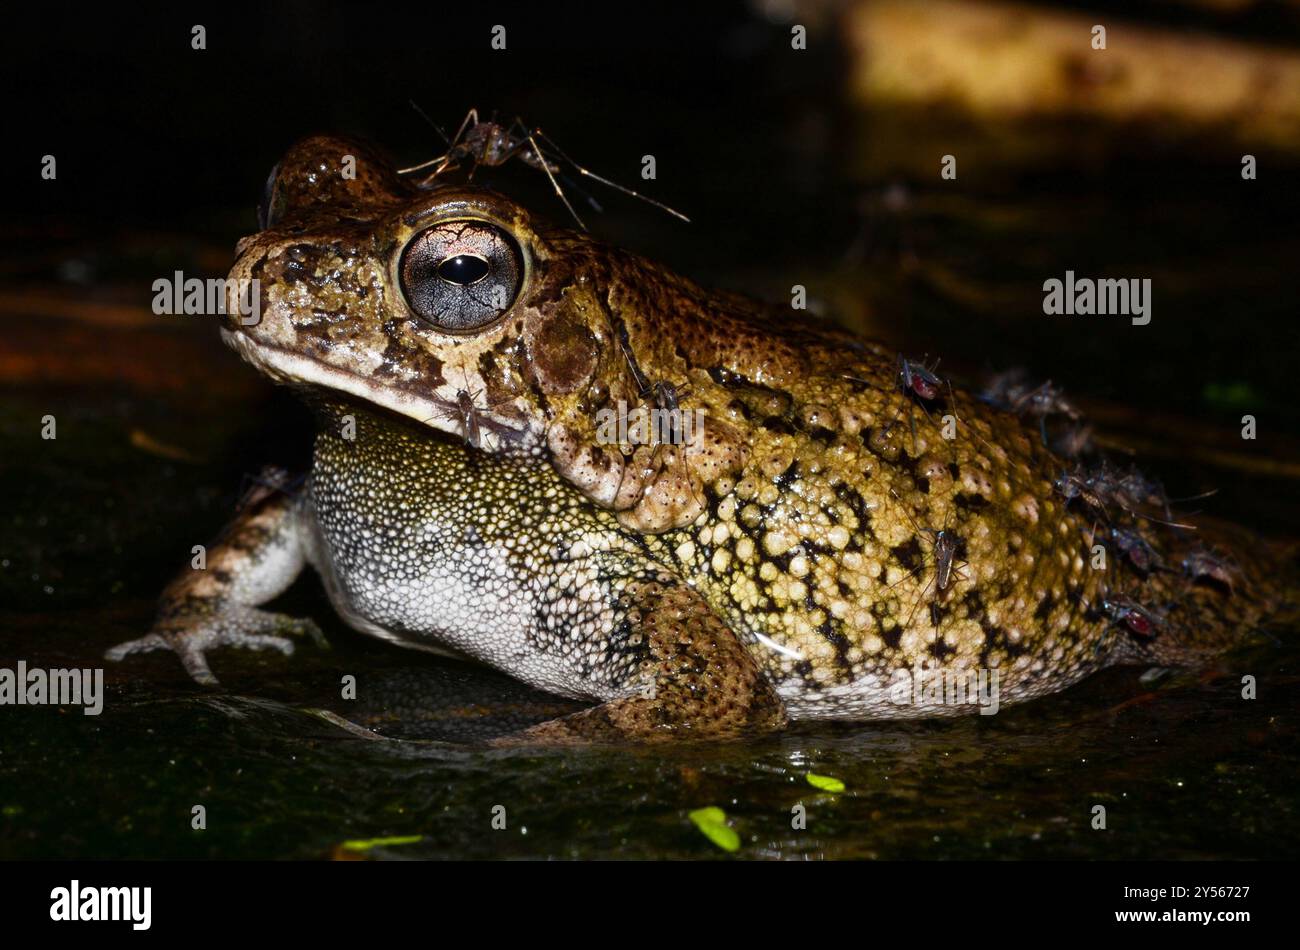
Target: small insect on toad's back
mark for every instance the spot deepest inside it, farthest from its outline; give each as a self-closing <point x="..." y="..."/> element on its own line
<point x="1135" y="618"/>
<point x="918" y="379"/>
<point x="1204" y="566"/>
<point x="666" y="399"/>
<point x="1135" y="489"/>
<point x="919" y="384"/>
<point x="663" y="395"/>
<point x="468" y="418"/>
<point x="1104" y="485"/>
<point x="1012" y="392"/>
<point x="467" y="413"/>
<point x="945" y="545"/>
<point x="945" y="550"/>
<point x="489" y="143"/>
<point x="1136" y="548"/>
<point x="1075" y="484"/>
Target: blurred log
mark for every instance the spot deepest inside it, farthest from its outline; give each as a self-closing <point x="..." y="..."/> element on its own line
<point x="1004" y="61"/>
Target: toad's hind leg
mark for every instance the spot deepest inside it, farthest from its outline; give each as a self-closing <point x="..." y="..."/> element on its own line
<point x="697" y="680"/>
<point x="256" y="559"/>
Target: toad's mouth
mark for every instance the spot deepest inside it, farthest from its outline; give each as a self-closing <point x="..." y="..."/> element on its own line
<point x="485" y="427"/>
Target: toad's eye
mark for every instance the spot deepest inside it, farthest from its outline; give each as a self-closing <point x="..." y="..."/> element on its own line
<point x="464" y="269"/>
<point x="461" y="275"/>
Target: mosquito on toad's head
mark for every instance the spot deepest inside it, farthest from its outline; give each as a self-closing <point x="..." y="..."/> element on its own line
<point x="490" y="143"/>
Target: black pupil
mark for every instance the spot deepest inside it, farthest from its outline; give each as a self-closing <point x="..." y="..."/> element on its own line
<point x="463" y="269"/>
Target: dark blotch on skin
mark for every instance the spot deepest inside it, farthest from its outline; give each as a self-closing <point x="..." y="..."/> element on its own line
<point x="562" y="355"/>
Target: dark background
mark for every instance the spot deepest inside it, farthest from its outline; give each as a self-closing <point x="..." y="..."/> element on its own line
<point x="151" y="133"/>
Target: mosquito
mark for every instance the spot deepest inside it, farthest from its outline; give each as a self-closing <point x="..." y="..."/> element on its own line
<point x="1137" y="549"/>
<point x="1130" y="492"/>
<point x="490" y="143"/>
<point x="470" y="414"/>
<point x="1138" y="620"/>
<point x="1206" y="565"/>
<point x="947" y="565"/>
<point x="664" y="395"/>
<point x="666" y="398"/>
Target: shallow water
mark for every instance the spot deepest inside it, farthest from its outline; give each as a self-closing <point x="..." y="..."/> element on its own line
<point x="1186" y="770"/>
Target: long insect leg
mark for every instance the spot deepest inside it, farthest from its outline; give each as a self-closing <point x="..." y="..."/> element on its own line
<point x="591" y="199"/>
<point x="917" y="605"/>
<point x="436" y="127"/>
<point x="952" y="402"/>
<point x="445" y="159"/>
<point x="588" y="173"/>
<point x="541" y="158"/>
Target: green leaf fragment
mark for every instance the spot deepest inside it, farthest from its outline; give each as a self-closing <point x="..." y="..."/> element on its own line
<point x="365" y="844"/>
<point x="826" y="783"/>
<point x="713" y="822"/>
<point x="1232" y="395"/>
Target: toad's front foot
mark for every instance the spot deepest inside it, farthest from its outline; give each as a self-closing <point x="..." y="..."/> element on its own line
<point x="234" y="625"/>
<point x="256" y="559"/>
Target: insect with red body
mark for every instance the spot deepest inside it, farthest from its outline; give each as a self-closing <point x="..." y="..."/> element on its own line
<point x="1136" y="548"/>
<point x="919" y="383"/>
<point x="1135" y="618"/>
<point x="918" y="379"/>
